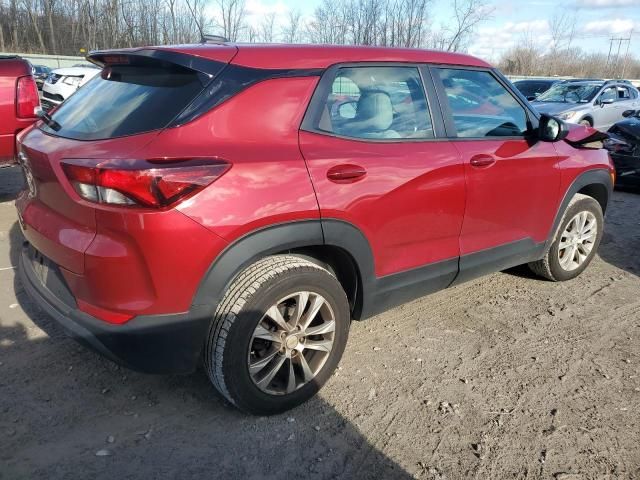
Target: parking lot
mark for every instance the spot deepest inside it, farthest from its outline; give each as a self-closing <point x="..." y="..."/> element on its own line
<point x="503" y="377"/>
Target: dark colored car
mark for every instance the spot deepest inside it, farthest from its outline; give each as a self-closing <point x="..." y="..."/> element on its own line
<point x="40" y="74"/>
<point x="534" y="87"/>
<point x="624" y="145"/>
<point x="18" y="101"/>
<point x="205" y="202"/>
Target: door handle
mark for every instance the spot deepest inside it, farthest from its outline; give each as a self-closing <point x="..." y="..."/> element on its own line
<point x="482" y="161"/>
<point x="346" y="173"/>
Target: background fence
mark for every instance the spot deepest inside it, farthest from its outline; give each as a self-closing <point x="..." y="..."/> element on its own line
<point x="51" y="61"/>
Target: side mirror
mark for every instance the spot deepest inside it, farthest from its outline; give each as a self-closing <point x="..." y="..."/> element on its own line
<point x="606" y="101"/>
<point x="629" y="113"/>
<point x="551" y="129"/>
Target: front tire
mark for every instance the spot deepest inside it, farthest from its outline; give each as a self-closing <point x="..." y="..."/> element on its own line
<point x="277" y="335"/>
<point x="575" y="243"/>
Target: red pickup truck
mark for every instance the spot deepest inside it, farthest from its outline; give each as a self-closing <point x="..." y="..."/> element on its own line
<point x="18" y="101"/>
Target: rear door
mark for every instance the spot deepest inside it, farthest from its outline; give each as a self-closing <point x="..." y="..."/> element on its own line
<point x="378" y="160"/>
<point x="627" y="100"/>
<point x="512" y="180"/>
<point x="112" y="117"/>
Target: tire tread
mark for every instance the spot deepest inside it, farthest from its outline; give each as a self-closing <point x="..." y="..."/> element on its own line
<point x="242" y="288"/>
<point x="542" y="267"/>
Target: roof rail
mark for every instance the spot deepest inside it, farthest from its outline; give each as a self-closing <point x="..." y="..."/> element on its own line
<point x="618" y="80"/>
<point x="572" y="80"/>
<point x="215" y="39"/>
<point x="7" y="57"/>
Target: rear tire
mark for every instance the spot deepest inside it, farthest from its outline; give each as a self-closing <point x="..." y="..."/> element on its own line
<point x="586" y="122"/>
<point x="283" y="314"/>
<point x="575" y="242"/>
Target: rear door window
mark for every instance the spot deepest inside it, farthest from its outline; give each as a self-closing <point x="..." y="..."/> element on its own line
<point x="481" y="106"/>
<point x="377" y="103"/>
<point x="623" y="93"/>
<point x="127" y="100"/>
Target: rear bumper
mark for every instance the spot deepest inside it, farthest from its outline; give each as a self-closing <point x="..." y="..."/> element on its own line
<point x="151" y="344"/>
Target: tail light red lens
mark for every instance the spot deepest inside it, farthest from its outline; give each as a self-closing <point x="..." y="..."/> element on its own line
<point x="27" y="99"/>
<point x="142" y="183"/>
<point x="105" y="315"/>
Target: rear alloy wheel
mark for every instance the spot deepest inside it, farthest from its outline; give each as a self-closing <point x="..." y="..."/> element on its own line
<point x="586" y="122"/>
<point x="575" y="243"/>
<point x="277" y="335"/>
<point x="291" y="343"/>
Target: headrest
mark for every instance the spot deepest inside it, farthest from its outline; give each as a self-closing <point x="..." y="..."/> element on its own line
<point x="375" y="112"/>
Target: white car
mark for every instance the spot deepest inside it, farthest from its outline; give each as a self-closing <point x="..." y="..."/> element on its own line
<point x="62" y="82"/>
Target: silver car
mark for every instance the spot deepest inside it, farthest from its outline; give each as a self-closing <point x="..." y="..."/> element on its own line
<point x="596" y="103"/>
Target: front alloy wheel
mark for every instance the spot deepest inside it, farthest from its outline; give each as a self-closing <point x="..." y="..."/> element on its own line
<point x="577" y="240"/>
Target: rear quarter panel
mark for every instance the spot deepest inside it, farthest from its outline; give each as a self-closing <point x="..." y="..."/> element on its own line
<point x="257" y="132"/>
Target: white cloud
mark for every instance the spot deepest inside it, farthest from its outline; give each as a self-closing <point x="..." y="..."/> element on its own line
<point x="490" y="42"/>
<point x="616" y="25"/>
<point x="259" y="8"/>
<point x="607" y="3"/>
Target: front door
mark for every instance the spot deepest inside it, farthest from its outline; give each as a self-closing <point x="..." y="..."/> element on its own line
<point x="512" y="180"/>
<point x="605" y="111"/>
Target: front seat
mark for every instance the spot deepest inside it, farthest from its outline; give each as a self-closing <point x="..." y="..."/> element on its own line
<point x="373" y="118"/>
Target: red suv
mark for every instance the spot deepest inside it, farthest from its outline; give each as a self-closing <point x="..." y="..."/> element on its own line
<point x="18" y="101"/>
<point x="240" y="205"/>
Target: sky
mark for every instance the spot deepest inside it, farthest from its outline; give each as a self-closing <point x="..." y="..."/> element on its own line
<point x="511" y="21"/>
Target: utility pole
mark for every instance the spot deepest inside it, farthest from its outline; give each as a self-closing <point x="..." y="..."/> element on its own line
<point x="620" y="40"/>
<point x="609" y="56"/>
<point x="626" y="55"/>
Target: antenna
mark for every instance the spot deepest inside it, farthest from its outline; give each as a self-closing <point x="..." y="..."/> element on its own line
<point x="216" y="39"/>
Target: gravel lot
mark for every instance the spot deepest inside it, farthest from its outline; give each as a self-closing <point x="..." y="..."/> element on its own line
<point x="504" y="377"/>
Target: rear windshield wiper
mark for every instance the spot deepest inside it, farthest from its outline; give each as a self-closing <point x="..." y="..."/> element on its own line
<point x="46" y="118"/>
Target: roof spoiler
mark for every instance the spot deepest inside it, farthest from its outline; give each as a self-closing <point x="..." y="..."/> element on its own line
<point x="127" y="57"/>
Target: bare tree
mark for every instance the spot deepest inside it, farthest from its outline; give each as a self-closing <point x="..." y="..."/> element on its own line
<point x="291" y="31"/>
<point x="467" y="15"/>
<point x="231" y="16"/>
<point x="267" y="28"/>
<point x="252" y="34"/>
<point x="562" y="28"/>
<point x="328" y="24"/>
<point x="197" y="10"/>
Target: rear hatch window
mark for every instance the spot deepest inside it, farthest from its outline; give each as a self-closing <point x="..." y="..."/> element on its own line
<point x="128" y="99"/>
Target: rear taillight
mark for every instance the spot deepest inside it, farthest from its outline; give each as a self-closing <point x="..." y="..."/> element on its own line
<point x="142" y="183"/>
<point x="27" y="99"/>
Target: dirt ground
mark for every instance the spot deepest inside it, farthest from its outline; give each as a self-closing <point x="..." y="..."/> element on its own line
<point x="504" y="377"/>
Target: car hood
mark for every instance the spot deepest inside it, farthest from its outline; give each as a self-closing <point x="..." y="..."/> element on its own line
<point x="76" y="72"/>
<point x="554" y="108"/>
<point x="582" y="134"/>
